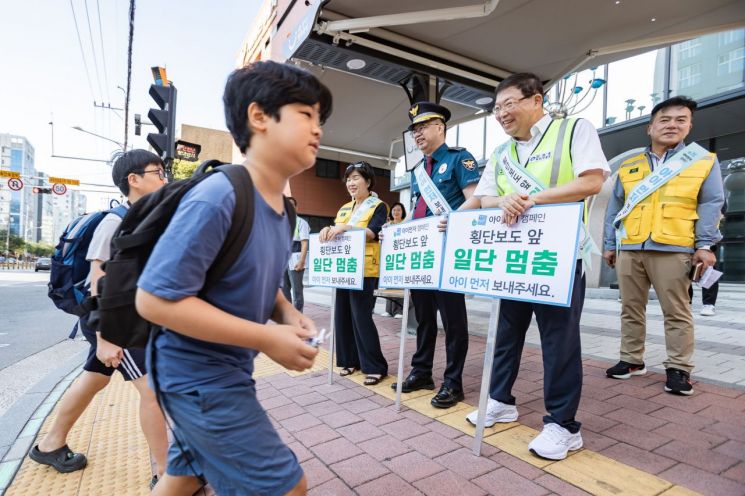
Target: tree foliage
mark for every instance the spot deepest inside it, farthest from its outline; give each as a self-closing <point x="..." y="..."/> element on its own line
<point x="183" y="169"/>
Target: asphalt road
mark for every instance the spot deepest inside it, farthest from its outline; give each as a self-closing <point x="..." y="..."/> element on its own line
<point x="29" y="322"/>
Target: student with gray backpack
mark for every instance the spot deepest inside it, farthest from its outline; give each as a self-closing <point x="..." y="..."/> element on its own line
<point x="136" y="173"/>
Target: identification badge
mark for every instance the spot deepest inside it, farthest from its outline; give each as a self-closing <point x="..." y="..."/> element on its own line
<point x="442" y="169"/>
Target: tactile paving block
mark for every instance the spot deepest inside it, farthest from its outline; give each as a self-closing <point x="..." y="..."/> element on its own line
<point x="109" y="434"/>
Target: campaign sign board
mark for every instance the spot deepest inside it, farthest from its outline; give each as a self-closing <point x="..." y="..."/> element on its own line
<point x="339" y="263"/>
<point x="411" y="255"/>
<point x="532" y="260"/>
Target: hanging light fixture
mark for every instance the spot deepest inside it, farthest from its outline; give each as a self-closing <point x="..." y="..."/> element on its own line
<point x="573" y="98"/>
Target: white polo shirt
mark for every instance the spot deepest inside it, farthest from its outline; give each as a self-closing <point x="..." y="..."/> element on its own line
<point x="587" y="154"/>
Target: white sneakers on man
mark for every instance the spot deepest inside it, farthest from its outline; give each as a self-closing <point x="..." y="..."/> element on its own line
<point x="496" y="411"/>
<point x="554" y="442"/>
<point x="707" y="310"/>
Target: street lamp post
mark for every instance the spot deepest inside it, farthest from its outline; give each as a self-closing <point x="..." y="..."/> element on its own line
<point x="78" y="128"/>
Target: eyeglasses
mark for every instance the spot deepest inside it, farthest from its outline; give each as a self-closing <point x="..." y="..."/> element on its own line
<point x="421" y="127"/>
<point x="508" y="106"/>
<point x="161" y="173"/>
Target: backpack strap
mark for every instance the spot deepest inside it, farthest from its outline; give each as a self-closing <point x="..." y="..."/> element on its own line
<point x="120" y="211"/>
<point x="291" y="215"/>
<point x="240" y="226"/>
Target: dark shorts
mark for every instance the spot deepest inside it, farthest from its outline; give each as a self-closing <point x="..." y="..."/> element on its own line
<point x="131" y="367"/>
<point x="226" y="436"/>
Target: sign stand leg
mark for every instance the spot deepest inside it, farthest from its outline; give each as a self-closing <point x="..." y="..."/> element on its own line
<point x="332" y="339"/>
<point x="402" y="347"/>
<point x="491" y="341"/>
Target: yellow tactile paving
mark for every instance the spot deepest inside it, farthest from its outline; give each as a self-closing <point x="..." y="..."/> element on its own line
<point x="457" y="420"/>
<point x="594" y="473"/>
<point x="118" y="460"/>
<point x="679" y="491"/>
<point x="603" y="476"/>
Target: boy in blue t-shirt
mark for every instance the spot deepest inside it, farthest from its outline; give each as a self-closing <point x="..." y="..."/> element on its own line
<point x="203" y="360"/>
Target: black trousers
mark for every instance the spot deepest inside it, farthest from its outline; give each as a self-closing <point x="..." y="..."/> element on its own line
<point x="561" y="347"/>
<point x="357" y="340"/>
<point x="452" y="307"/>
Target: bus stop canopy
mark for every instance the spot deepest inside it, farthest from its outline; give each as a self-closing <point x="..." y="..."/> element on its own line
<point x="367" y="51"/>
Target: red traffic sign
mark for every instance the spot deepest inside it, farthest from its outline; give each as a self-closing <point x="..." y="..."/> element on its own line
<point x="15" y="184"/>
<point x="59" y="189"/>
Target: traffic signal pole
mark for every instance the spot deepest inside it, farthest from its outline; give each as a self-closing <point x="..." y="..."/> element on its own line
<point x="164" y="119"/>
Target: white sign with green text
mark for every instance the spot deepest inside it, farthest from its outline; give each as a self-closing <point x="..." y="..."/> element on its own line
<point x="411" y="254"/>
<point x="532" y="260"/>
<point x="339" y="263"/>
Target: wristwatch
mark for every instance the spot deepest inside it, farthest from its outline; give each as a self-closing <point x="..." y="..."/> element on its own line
<point x="704" y="247"/>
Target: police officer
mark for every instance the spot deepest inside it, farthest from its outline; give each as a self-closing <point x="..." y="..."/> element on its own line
<point x="450" y="175"/>
<point x="565" y="157"/>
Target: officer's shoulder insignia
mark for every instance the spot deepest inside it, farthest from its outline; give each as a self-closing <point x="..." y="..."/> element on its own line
<point x="414" y="110"/>
<point x="469" y="164"/>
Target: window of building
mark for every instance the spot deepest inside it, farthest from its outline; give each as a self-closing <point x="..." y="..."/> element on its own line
<point x="689" y="49"/>
<point x="471" y="137"/>
<point x="327" y="168"/>
<point x="731" y="62"/>
<point x="729" y="37"/>
<point x="634" y="86"/>
<point x="317" y="223"/>
<point x="689" y="76"/>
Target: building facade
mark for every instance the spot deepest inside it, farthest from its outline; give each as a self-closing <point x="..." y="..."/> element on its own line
<point x="18" y="208"/>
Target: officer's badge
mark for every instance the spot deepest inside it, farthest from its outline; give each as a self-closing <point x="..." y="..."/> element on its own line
<point x="414" y="110"/>
<point x="469" y="164"/>
<point x="442" y="169"/>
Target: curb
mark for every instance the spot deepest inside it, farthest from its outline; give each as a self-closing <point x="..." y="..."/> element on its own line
<point x="22" y="421"/>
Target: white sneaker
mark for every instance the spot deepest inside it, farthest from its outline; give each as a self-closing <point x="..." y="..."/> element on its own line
<point x="707" y="310"/>
<point x="398" y="316"/>
<point x="385" y="314"/>
<point x="496" y="411"/>
<point x="554" y="442"/>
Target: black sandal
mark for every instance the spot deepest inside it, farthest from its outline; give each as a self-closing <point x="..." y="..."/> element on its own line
<point x="373" y="379"/>
<point x="347" y="371"/>
<point x="62" y="459"/>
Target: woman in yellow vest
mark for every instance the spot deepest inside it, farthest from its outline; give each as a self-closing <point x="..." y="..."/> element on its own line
<point x="357" y="341"/>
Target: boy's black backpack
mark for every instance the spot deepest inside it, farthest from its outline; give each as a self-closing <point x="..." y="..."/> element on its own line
<point x="67" y="286"/>
<point x="115" y="316"/>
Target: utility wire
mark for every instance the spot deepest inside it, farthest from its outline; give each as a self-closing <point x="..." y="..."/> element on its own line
<point x="129" y="70"/>
<point x="93" y="49"/>
<point x="103" y="52"/>
<point x="82" y="52"/>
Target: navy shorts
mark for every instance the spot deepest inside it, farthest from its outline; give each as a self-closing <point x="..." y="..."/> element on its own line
<point x="131" y="367"/>
<point x="226" y="436"/>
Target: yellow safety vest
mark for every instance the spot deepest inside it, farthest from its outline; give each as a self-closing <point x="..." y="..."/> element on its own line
<point x="669" y="214"/>
<point x="372" y="248"/>
<point x="551" y="160"/>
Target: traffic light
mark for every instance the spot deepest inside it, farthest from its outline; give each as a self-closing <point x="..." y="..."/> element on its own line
<point x="138" y="124"/>
<point x="41" y="191"/>
<point x="163" y="118"/>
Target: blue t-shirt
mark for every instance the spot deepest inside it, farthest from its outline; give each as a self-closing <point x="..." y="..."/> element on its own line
<point x="177" y="268"/>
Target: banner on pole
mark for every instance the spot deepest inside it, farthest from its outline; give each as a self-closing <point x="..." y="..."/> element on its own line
<point x="339" y="263"/>
<point x="532" y="260"/>
<point x="411" y="255"/>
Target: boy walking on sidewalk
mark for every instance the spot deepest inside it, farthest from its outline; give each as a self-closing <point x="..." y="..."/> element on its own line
<point x="136" y="173"/>
<point x="203" y="358"/>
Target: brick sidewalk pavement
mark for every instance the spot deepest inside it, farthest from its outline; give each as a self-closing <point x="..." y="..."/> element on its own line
<point x="350" y="439"/>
